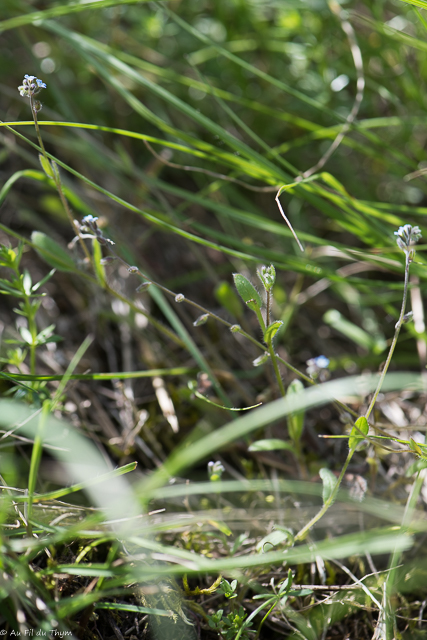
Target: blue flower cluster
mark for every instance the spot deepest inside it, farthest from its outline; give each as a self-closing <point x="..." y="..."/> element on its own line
<point x="31" y="86"/>
<point x="407" y="236"/>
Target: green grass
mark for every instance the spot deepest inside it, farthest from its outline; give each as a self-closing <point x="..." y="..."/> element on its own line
<point x="177" y="125"/>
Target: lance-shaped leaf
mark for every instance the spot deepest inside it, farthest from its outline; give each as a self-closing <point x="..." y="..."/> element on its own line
<point x="361" y="425"/>
<point x="246" y="289"/>
<point x="52" y="252"/>
<point x="295" y="420"/>
<point x="329" y="483"/>
<point x="46" y="166"/>
<point x="271" y="444"/>
<point x="271" y="331"/>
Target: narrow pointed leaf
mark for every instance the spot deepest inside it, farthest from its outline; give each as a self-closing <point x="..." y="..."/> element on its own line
<point x="246" y="289"/>
<point x="52" y="252"/>
<point x="271" y="331"/>
<point x="329" y="483"/>
<point x="361" y="425"/>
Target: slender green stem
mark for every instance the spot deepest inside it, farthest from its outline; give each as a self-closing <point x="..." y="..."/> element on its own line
<point x="271" y="609"/>
<point x="273" y="358"/>
<point x="32" y="328"/>
<point x="397" y="554"/>
<point x="268" y="306"/>
<point x="396" y="335"/>
<point x="35" y="461"/>
<point x="301" y="534"/>
<point x="260" y="319"/>
<point x="57" y="181"/>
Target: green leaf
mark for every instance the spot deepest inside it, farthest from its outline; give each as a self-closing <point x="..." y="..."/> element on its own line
<point x="46" y="166"/>
<point x="26" y="335"/>
<point x="329" y="480"/>
<point x="221" y="526"/>
<point x="271" y="331"/>
<point x="272" y="539"/>
<point x="416" y="467"/>
<point x="295" y="420"/>
<point x="227" y="298"/>
<point x="414" y="446"/>
<point x="361" y="425"/>
<point x="52" y="252"/>
<point x="246" y="289"/>
<point x="97" y="261"/>
<point x="271" y="444"/>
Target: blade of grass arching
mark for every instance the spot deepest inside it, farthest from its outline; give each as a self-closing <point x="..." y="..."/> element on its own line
<point x="206" y="151"/>
<point x="88" y="48"/>
<point x="116" y="375"/>
<point x="170" y="75"/>
<point x="375" y="148"/>
<point x="167" y="310"/>
<point x="192" y="452"/>
<point x="252" y="134"/>
<point x="158" y="221"/>
<point x="416" y="3"/>
<point x="132" y="608"/>
<point x="40" y="176"/>
<point x="259" y="222"/>
<point x="371" y="233"/>
<point x="80" y="486"/>
<point x="62" y="10"/>
<point x="294" y="119"/>
<point x="421" y="18"/>
<point x="48" y="407"/>
<point x="281" y="260"/>
<point x="81" y="459"/>
<point x="391" y="33"/>
<point x="373" y="506"/>
<point x="247" y="66"/>
<point x="336" y="547"/>
<point x="311" y="192"/>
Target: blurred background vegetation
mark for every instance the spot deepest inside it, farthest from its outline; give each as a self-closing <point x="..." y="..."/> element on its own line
<point x="176" y="124"/>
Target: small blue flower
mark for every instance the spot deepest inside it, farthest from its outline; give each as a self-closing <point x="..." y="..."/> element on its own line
<point x="89" y="220"/>
<point x="31" y="86"/>
<point x="407" y="236"/>
<point x="316" y="368"/>
<point x="321" y="362"/>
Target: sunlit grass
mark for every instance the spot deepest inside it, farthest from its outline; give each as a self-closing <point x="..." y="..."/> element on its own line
<point x="177" y="126"/>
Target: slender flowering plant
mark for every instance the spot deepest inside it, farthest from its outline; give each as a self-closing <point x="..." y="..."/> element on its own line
<point x="407" y="236"/>
<point x="29" y="88"/>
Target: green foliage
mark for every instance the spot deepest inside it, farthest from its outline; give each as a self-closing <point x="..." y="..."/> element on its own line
<point x="52" y="252"/>
<point x="271" y="331"/>
<point x="329" y="481"/>
<point x="175" y="133"/>
<point x="295" y="421"/>
<point x="247" y="291"/>
<point x="360" y="429"/>
<point x="230" y="625"/>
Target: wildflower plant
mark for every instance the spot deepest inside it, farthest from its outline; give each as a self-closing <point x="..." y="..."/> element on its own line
<point x="231" y="622"/>
<point x="17" y="283"/>
<point x="407" y="237"/>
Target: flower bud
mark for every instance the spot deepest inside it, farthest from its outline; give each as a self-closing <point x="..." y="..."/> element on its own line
<point x="201" y="320"/>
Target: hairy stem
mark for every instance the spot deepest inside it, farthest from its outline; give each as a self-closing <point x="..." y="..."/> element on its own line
<point x="396" y="335"/>
<point x="301" y="534"/>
